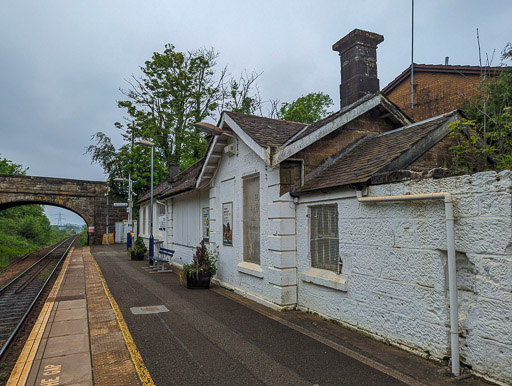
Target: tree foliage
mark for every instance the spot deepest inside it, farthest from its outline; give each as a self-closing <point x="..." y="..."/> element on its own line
<point x="175" y="91"/>
<point x="306" y="109"/>
<point x="242" y="95"/>
<point x="9" y="167"/>
<point x="484" y="139"/>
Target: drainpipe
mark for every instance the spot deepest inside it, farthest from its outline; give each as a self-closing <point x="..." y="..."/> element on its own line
<point x="450" y="247"/>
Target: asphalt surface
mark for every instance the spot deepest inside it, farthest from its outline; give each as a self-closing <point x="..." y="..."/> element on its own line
<point x="215" y="337"/>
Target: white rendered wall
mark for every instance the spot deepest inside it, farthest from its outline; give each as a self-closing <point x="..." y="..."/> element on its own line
<point x="273" y="281"/>
<point x="394" y="283"/>
<point x="145" y="222"/>
<point x="183" y="231"/>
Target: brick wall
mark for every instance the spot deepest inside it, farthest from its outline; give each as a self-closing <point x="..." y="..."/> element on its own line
<point x="434" y="93"/>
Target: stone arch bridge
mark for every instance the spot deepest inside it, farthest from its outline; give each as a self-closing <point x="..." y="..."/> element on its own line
<point x="85" y="198"/>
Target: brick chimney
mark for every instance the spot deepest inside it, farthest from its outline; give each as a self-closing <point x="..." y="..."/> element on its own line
<point x="174" y="169"/>
<point x="358" y="56"/>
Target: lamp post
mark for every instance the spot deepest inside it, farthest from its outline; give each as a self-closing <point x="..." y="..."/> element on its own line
<point x="151" y="240"/>
<point x="130" y="215"/>
<point x="108" y="189"/>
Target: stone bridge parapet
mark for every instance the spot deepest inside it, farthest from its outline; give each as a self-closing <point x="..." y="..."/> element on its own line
<point x="85" y="198"/>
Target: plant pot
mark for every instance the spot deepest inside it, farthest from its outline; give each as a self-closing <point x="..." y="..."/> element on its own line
<point x="137" y="255"/>
<point x="199" y="281"/>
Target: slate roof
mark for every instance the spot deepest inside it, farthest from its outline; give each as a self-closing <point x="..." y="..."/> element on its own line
<point x="182" y="182"/>
<point x="156" y="191"/>
<point x="369" y="155"/>
<point x="266" y="131"/>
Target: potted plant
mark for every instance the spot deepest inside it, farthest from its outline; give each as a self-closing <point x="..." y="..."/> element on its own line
<point x="202" y="268"/>
<point x="138" y="250"/>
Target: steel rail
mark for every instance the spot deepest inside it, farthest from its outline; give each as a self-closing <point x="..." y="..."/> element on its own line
<point x="25" y="315"/>
<point x="32" y="266"/>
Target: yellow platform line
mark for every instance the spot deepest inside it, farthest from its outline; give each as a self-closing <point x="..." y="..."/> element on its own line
<point x="21" y="370"/>
<point x="137" y="360"/>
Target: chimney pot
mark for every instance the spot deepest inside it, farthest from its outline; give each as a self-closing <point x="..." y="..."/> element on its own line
<point x="174" y="169"/>
<point x="358" y="57"/>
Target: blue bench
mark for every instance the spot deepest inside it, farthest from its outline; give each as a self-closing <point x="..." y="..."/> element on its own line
<point x="164" y="257"/>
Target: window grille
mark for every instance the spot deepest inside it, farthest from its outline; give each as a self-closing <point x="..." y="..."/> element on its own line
<point x="324" y="242"/>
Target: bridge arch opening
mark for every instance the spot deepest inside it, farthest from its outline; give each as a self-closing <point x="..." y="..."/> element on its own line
<point x="48" y="206"/>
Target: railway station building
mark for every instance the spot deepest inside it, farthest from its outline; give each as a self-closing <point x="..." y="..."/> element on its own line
<point x="301" y="220"/>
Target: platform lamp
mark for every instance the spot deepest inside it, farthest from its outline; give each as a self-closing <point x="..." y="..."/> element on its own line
<point x="106" y="194"/>
<point x="151" y="240"/>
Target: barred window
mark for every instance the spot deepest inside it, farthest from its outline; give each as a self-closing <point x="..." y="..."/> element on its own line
<point x="324" y="243"/>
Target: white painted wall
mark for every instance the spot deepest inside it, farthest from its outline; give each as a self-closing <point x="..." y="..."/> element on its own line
<point x="273" y="281"/>
<point x="183" y="229"/>
<point x="394" y="283"/>
<point x="145" y="221"/>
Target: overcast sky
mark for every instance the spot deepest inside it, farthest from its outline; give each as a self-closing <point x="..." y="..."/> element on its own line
<point x="62" y="62"/>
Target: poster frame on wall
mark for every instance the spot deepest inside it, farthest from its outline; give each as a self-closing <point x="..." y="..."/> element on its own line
<point x="227" y="223"/>
<point x="206" y="224"/>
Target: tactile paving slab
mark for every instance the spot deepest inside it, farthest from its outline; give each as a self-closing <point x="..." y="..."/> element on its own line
<point x="111" y="361"/>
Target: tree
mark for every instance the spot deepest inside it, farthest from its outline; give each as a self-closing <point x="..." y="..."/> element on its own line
<point x="238" y="95"/>
<point x="175" y="91"/>
<point x="484" y="139"/>
<point x="9" y="167"/>
<point x="306" y="109"/>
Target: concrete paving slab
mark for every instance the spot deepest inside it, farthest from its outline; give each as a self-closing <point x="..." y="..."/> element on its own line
<point x="70" y="314"/>
<point x="69" y="327"/>
<point x="71" y="304"/>
<point x="65" y="370"/>
<point x="67" y="345"/>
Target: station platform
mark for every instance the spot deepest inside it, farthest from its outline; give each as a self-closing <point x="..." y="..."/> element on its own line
<point x="146" y="328"/>
<point x="77" y="331"/>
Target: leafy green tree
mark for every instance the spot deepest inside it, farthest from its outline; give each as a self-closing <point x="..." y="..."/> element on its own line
<point x="175" y="91"/>
<point x="306" y="109"/>
<point x="9" y="167"/>
<point x="484" y="139"/>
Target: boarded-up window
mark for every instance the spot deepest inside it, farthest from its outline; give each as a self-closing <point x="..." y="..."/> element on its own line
<point x="251" y="219"/>
<point x="187" y="220"/>
<point x="324" y="243"/>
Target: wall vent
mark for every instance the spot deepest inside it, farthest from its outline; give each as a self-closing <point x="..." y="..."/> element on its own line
<point x="230" y="149"/>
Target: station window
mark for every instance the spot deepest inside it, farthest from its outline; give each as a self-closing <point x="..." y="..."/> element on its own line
<point x="324" y="242"/>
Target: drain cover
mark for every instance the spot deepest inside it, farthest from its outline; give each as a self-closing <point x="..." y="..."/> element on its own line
<point x="148" y="310"/>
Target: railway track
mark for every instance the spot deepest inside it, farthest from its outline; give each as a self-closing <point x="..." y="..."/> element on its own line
<point x="20" y="294"/>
